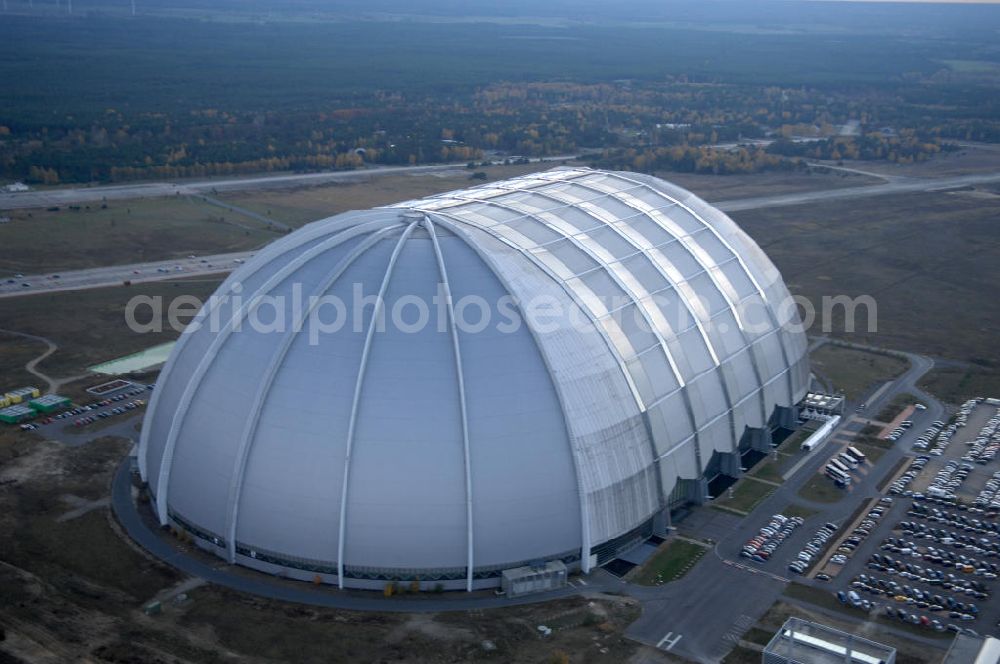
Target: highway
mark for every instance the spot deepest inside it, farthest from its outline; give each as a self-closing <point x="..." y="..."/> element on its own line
<point x="81" y="195"/>
<point x="223" y="263"/>
<point x="117" y="275"/>
<point x="897" y="185"/>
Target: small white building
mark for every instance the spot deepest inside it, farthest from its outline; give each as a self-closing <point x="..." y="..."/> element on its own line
<point x="16" y="187"/>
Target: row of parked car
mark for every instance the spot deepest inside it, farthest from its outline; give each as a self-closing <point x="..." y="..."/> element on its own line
<point x="927" y="574"/>
<point x="105" y="414"/>
<point x="851" y="598"/>
<point x="904" y="480"/>
<point x="812" y="548"/>
<point x="860" y="532"/>
<point x="962" y="417"/>
<point x="968" y="564"/>
<point x="951" y="504"/>
<point x="962" y="563"/>
<point x="921" y="621"/>
<point x="104" y="403"/>
<point x="989" y="497"/>
<point x="762" y="546"/>
<point x="947" y="481"/>
<point x="927" y="438"/>
<point x="928" y="512"/>
<point x="983" y="546"/>
<point x="913" y="596"/>
<point x="883" y="562"/>
<point x="898" y="432"/>
<point x="985" y="447"/>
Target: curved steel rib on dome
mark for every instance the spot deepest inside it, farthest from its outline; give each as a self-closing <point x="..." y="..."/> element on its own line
<point x="585" y="563"/>
<point x="359" y="383"/>
<point x="657" y="364"/>
<point x="728" y="246"/>
<point x="263" y="389"/>
<point x="217" y="342"/>
<point x="651" y="314"/>
<point x="463" y="405"/>
<point x="471" y="208"/>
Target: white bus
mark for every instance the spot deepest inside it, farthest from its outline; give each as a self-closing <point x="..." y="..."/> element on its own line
<point x="839" y="465"/>
<point x="837" y="474"/>
<point x="857" y="454"/>
<point x="847" y="460"/>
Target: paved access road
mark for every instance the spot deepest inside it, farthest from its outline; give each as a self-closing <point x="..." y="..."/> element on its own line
<point x="218" y="572"/>
<point x="117" y="275"/>
<point x="78" y="195"/>
<point x="701" y="616"/>
<point x="223" y="263"/>
<point x="719" y="599"/>
<point x="897" y="185"/>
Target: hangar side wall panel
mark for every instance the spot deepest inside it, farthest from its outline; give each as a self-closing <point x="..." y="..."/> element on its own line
<point x="209" y="436"/>
<point x="610" y="441"/>
<point x="292" y="484"/>
<point x="525" y="494"/>
<point x="407" y="475"/>
<point x="184" y="361"/>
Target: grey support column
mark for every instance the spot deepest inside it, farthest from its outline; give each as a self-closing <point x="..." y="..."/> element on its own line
<point x="760" y="439"/>
<point x="697" y="490"/>
<point x="731" y="464"/>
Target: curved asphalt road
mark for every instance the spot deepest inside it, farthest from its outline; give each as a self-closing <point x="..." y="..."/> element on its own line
<point x="701" y="616"/>
<point x="160" y="546"/>
<point x="719" y="599"/>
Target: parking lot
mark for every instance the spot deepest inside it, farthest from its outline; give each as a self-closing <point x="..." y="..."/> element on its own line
<point x="928" y="553"/>
<point x="119" y="404"/>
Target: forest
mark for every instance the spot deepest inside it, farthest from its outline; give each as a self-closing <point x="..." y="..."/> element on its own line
<point x="102" y="96"/>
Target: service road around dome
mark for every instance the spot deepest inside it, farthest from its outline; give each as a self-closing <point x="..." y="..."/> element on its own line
<point x="709" y="608"/>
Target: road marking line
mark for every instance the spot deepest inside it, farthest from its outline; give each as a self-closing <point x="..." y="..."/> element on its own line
<point x="582" y="582"/>
<point x="670" y="642"/>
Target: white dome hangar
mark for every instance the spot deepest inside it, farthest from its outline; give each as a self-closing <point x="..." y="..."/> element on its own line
<point x="451" y="452"/>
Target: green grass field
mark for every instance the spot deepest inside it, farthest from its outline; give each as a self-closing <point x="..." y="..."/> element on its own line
<point x="974" y="66"/>
<point x="747" y="493"/>
<point x="302" y="205"/>
<point x="873" y="452"/>
<point x="956" y="384"/>
<point x="670" y="563"/>
<point x="922" y="257"/>
<point x="855" y="371"/>
<point x="895" y="407"/>
<point x="821" y="489"/>
<point x="136" y="231"/>
<point x="769" y="469"/>
<point x="89" y="326"/>
<point x="793" y="444"/>
<point x="15" y="352"/>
